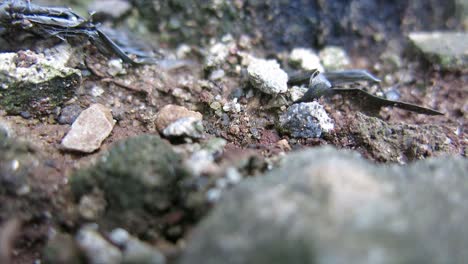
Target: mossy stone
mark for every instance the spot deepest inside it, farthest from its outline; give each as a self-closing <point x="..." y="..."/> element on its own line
<point x="142" y="179"/>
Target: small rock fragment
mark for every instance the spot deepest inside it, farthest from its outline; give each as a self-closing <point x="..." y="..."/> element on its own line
<point x="96" y="91"/>
<point x="217" y="74"/>
<point x="284" y="145"/>
<point x="182" y="94"/>
<point x="217" y="53"/>
<point x="185" y="126"/>
<point x="203" y="160"/>
<point x="92" y="205"/>
<point x="447" y="49"/>
<point x="267" y="76"/>
<point x="334" y="58"/>
<point x="232" y="106"/>
<point x="171" y="113"/>
<point x="306" y="120"/>
<point x="215" y="105"/>
<point x="182" y="51"/>
<point x="96" y="248"/>
<point x="307" y="59"/>
<point x="115" y="67"/>
<point x="88" y="131"/>
<point x="69" y="114"/>
<point x="297" y="92"/>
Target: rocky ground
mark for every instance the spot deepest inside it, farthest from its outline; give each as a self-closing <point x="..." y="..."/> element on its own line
<point x="203" y="157"/>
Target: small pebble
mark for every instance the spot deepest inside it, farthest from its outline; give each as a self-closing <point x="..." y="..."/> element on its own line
<point x="91" y="206"/>
<point x="117" y="8"/>
<point x="392" y="94"/>
<point x="306" y="120"/>
<point x="115" y="67"/>
<point x="96" y="91"/>
<point x="88" y="131"/>
<point x="171" y="113"/>
<point x="25" y="114"/>
<point x="232" y="106"/>
<point x="185" y="126"/>
<point x="217" y="54"/>
<point x="134" y="250"/>
<point x="284" y="145"/>
<point x="307" y="59"/>
<point x="267" y="76"/>
<point x="334" y="58"/>
<point x="69" y="114"/>
<point x="297" y="92"/>
<point x="217" y="75"/>
<point x="96" y="248"/>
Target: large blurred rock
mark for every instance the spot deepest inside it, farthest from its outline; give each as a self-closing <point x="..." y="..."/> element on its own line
<point x="462" y="12"/>
<point x="449" y="50"/>
<point x="18" y="160"/>
<point x="330" y="206"/>
<point x="287" y="24"/>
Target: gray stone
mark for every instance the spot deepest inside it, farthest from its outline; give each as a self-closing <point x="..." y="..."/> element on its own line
<point x="31" y="82"/>
<point x="330" y="206"/>
<point x="305" y="120"/>
<point x="446" y="49"/>
<point x="88" y="131"/>
<point x="267" y="76"/>
<point x="69" y="114"/>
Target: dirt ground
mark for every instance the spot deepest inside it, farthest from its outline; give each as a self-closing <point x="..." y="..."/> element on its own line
<point x="27" y="220"/>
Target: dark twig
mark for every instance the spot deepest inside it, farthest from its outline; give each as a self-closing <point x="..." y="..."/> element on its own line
<point x="325" y="84"/>
<point x="63" y="23"/>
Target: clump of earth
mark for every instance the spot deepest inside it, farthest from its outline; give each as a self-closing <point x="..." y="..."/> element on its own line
<point x="182" y="161"/>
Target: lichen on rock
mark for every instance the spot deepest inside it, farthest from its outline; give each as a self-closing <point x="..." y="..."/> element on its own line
<point x="35" y="83"/>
